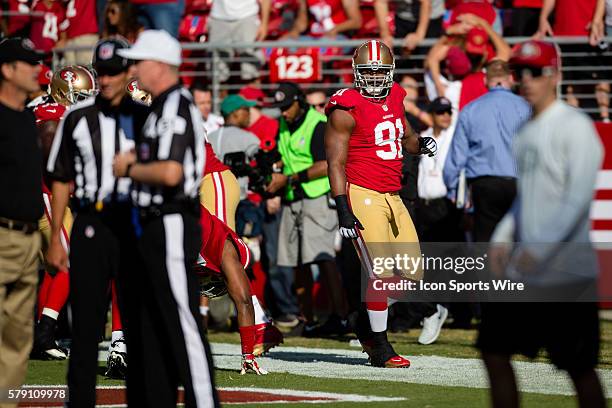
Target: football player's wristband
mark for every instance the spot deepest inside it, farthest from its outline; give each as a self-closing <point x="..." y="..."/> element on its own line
<point x="342" y="205"/>
<point x="303" y="176"/>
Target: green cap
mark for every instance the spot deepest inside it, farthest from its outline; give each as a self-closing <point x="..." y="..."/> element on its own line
<point x="234" y="102"/>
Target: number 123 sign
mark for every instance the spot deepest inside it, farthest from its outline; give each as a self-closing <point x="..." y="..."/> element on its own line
<point x="299" y="66"/>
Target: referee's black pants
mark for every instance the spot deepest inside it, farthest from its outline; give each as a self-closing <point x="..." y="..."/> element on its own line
<point x="492" y="198"/>
<point x="166" y="342"/>
<point x="99" y="252"/>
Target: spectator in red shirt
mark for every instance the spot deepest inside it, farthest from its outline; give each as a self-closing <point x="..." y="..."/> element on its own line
<point x="326" y="18"/>
<point x="264" y="127"/>
<point x="82" y="31"/>
<point x="573" y="18"/>
<point x="120" y="18"/>
<point x="525" y="17"/>
<point x="15" y="25"/>
<point x="48" y="24"/>
<point x="579" y="18"/>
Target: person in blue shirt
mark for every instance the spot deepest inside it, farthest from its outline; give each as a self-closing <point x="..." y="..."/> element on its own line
<point x="482" y="145"/>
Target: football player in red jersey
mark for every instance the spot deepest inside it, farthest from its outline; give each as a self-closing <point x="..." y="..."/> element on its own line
<point x="366" y="132"/>
<point x="54" y="289"/>
<point x="221" y="268"/>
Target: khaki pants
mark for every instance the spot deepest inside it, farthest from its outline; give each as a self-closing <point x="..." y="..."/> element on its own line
<point x="387" y="230"/>
<point x="220" y="194"/>
<point x="80" y="57"/>
<point x="18" y="280"/>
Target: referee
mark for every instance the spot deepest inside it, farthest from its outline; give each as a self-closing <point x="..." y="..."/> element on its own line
<point x="168" y="347"/>
<point x="82" y="152"/>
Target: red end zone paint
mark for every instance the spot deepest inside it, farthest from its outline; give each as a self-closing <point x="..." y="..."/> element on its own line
<point x="115" y="396"/>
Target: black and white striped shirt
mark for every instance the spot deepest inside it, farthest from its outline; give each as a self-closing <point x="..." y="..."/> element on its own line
<point x="85" y="143"/>
<point x="173" y="131"/>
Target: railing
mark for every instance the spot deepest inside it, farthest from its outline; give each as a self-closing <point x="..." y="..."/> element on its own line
<point x="208" y="55"/>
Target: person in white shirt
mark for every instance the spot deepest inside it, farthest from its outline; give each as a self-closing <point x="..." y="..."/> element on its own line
<point x="239" y="21"/>
<point x="437" y="217"/>
<point x="202" y="98"/>
<point x="543" y="240"/>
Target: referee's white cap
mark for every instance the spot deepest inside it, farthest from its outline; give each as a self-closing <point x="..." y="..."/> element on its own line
<point x="154" y="45"/>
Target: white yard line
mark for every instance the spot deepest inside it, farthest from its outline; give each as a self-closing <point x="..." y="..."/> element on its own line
<point x="539" y="378"/>
<point x="350" y="364"/>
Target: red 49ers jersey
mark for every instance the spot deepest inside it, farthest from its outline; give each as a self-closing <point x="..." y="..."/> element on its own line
<point x="374" y="158"/>
<point x="213" y="164"/>
<point x="47" y="24"/>
<point x="214" y="235"/>
<point x="325" y="14"/>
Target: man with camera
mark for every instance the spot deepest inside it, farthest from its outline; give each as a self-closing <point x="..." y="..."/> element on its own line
<point x="308" y="224"/>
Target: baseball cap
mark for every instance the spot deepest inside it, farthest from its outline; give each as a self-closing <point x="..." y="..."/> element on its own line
<point x="234" y="102"/>
<point x="106" y="60"/>
<point x="154" y="45"/>
<point x="476" y="41"/>
<point x="252" y="94"/>
<point x="19" y="49"/>
<point x="535" y="53"/>
<point x="440" y="104"/>
<point x="286" y="94"/>
<point x="45" y="75"/>
<point x="457" y="63"/>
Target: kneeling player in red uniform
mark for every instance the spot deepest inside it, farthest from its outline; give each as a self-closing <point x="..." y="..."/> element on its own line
<point x="221" y="268"/>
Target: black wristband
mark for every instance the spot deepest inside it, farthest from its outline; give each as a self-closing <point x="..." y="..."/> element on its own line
<point x="303" y="176"/>
<point x="127" y="169"/>
<point x="342" y="204"/>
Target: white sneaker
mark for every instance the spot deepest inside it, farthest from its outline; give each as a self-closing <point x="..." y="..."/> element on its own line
<point x="432" y="326"/>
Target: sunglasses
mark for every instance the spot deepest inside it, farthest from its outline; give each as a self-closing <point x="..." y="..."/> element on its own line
<point x="444" y="112"/>
<point x="522" y="71"/>
<point x="109" y="72"/>
<point x="320" y="105"/>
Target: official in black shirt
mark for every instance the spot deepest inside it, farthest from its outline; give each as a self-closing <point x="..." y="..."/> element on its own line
<point x="168" y="347"/>
<point x="85" y="143"/>
<point x="21" y="207"/>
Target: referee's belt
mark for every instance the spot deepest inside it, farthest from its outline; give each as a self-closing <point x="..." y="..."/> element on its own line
<point x="89" y="207"/>
<point x="25" y="227"/>
<point x="156" y="211"/>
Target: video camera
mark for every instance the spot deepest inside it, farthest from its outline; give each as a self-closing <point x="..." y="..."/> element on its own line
<point x="259" y="175"/>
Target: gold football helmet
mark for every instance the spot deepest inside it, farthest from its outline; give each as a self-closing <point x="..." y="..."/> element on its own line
<point x="72" y="84"/>
<point x="137" y="94"/>
<point x="373" y="65"/>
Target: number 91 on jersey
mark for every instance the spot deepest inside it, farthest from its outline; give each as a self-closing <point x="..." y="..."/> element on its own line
<point x="303" y="65"/>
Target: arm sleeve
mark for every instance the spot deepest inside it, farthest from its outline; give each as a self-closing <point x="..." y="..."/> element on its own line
<point x="583" y="158"/>
<point x="317" y="144"/>
<point x="457" y="156"/>
<point x="60" y="165"/>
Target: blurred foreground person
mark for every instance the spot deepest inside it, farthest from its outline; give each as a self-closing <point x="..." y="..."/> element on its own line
<point x="558" y="154"/>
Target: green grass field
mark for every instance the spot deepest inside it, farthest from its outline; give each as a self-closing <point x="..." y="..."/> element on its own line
<point x="452" y="343"/>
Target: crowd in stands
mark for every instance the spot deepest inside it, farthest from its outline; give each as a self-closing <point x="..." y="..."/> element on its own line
<point x="468" y="34"/>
